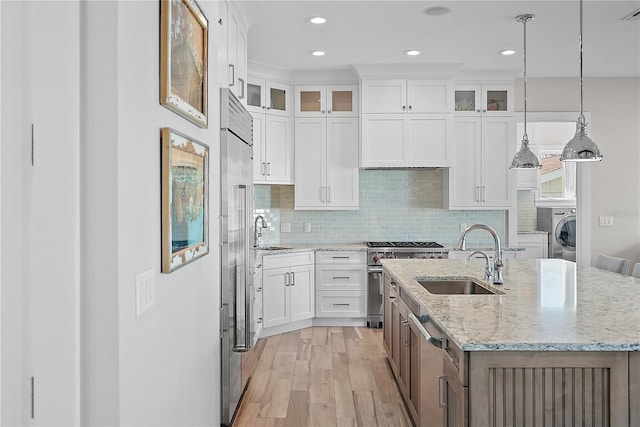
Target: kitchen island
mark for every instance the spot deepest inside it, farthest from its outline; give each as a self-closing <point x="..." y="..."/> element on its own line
<point x="555" y="343"/>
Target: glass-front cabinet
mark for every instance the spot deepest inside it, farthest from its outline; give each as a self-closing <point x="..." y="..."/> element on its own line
<point x="475" y="99"/>
<point x="326" y="101"/>
<point x="264" y="96"/>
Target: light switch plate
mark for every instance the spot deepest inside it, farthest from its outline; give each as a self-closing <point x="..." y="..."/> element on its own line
<point x="145" y="292"/>
<point x="605" y="221"/>
<point x="307" y="227"/>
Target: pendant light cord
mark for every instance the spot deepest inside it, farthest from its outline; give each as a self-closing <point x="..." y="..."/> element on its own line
<point x="525" y="136"/>
<point x="581" y="118"/>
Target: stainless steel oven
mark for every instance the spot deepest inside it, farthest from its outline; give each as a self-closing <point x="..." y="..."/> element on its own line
<point x="378" y="251"/>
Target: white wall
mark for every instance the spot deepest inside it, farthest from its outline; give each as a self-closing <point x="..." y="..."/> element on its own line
<point x="614" y="104"/>
<point x="163" y="367"/>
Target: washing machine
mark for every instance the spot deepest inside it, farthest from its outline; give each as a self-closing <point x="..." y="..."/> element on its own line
<point x="560" y="223"/>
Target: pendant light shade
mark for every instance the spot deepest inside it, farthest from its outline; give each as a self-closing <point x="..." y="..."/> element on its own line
<point x="581" y="148"/>
<point x="525" y="158"/>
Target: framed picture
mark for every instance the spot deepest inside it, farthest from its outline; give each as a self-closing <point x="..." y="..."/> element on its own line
<point x="185" y="200"/>
<point x="184" y="36"/>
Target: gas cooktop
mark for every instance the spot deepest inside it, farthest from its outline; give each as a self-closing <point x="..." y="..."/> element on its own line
<point x="404" y="245"/>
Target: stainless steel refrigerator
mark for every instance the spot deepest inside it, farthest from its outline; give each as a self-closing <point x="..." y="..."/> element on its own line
<point x="236" y="172"/>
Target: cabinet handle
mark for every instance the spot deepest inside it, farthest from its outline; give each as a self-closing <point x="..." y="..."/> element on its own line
<point x="440" y="403"/>
<point x="340" y="257"/>
<point x="268" y="169"/>
<point x="262" y="168"/>
<point x="259" y="320"/>
<point x="322" y="194"/>
<point x="258" y="290"/>
<point x="339" y="304"/>
<point x="391" y="297"/>
<point x="286" y="279"/>
<point x="477" y="193"/>
<point x="232" y="78"/>
<point x="341" y="277"/>
<point x="328" y="194"/>
<point x="407" y="343"/>
<point x="241" y="80"/>
<point x="484" y="193"/>
<point x="293" y="279"/>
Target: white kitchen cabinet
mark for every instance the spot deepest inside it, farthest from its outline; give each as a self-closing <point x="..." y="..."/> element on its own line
<point x="341" y="284"/>
<point x="236" y="70"/>
<point x="326" y="101"/>
<point x="406" y="140"/>
<point x="326" y="163"/>
<point x="389" y="96"/>
<point x="272" y="149"/>
<point x="269" y="97"/>
<point x="288" y="288"/>
<point x="480" y="176"/>
<point x="474" y="99"/>
<point x="536" y="245"/>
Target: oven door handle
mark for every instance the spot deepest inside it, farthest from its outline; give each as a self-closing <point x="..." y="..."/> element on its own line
<point x="374" y="269"/>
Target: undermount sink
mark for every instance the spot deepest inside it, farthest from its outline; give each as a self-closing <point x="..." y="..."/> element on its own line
<point x="454" y="287"/>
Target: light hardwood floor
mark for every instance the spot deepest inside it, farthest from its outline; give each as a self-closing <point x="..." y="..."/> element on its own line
<point x="323" y="377"/>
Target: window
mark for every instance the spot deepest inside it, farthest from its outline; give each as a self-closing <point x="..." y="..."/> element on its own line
<point x="557" y="179"/>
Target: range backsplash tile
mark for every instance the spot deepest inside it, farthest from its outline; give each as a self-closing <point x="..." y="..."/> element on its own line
<point x="395" y="204"/>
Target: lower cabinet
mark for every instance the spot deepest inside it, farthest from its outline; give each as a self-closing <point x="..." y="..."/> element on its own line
<point x="341" y="284"/>
<point x="536" y="245"/>
<point x="456" y="399"/>
<point x="288" y="288"/>
<point x="257" y="302"/>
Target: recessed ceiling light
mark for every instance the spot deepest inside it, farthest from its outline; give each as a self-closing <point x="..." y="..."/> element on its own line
<point x="318" y="53"/>
<point x="437" y="11"/>
<point x="317" y="20"/>
<point x="507" y="52"/>
<point x="412" y="52"/>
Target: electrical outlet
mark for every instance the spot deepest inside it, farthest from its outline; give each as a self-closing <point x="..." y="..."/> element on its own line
<point x="605" y="221"/>
<point x="285" y="227"/>
<point x="145" y="292"/>
<point x="307" y="227"/>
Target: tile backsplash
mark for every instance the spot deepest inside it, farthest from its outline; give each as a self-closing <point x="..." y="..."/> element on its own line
<point x="395" y="204"/>
<point x="527" y="211"/>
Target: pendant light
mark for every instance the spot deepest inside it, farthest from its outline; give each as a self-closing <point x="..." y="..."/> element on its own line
<point x="581" y="148"/>
<point x="525" y="158"/>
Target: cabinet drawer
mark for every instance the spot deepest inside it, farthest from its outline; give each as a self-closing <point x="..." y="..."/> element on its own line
<point x="341" y="303"/>
<point x="340" y="278"/>
<point x="287" y="260"/>
<point x="341" y="257"/>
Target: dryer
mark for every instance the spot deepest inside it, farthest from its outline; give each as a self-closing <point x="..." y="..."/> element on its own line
<point x="560" y="223"/>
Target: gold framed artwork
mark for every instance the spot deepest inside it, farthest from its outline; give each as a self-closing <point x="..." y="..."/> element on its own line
<point x="185" y="200"/>
<point x="184" y="38"/>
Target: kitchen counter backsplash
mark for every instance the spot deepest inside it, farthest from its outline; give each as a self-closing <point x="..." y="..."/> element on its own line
<point x="395" y="205"/>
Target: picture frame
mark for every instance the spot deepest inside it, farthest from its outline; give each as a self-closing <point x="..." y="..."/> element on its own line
<point x="184" y="58"/>
<point x="185" y="199"/>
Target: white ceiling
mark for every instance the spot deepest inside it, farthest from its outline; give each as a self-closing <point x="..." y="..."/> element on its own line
<point x="468" y="38"/>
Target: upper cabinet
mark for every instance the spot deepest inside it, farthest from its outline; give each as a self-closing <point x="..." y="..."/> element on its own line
<point x="407" y="96"/>
<point x="236" y="58"/>
<point x="483" y="99"/>
<point x="327" y="101"/>
<point x="406" y="123"/>
<point x="265" y="96"/>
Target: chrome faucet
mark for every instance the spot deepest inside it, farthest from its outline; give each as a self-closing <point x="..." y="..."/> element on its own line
<point x="497" y="259"/>
<point x="257" y="231"/>
<point x="488" y="272"/>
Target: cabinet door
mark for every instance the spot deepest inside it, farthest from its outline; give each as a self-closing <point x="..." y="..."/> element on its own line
<point x="259" y="160"/>
<point x="275" y="296"/>
<point x="497" y="154"/>
<point x="241" y="59"/>
<point x="256" y="96"/>
<point x="395" y="336"/>
<point x="221" y="33"/>
<point x="428" y="139"/>
<point x="311" y="101"/>
<point x="342" y="171"/>
<point x="383" y="140"/>
<point x="497" y="100"/>
<point x="413" y="389"/>
<point x="232" y="52"/>
<point x="302" y="293"/>
<point x="457" y="400"/>
<point x="310" y="153"/>
<point x="404" y="366"/>
<point x="387" y="330"/>
<point x="278" y="150"/>
<point x="430" y="96"/>
<point x="257" y="306"/>
<point x="464" y="175"/>
<point x="467" y="100"/>
<point x="342" y="101"/>
<point x="384" y="96"/>
<point x="277" y="99"/>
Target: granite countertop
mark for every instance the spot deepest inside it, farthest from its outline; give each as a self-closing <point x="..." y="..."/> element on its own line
<point x="545" y="305"/>
<point x="533" y="232"/>
<point x="287" y="249"/>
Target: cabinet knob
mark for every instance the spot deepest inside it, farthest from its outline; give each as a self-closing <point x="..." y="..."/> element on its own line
<point x="264" y="106"/>
<point x="329" y="111"/>
<point x="268" y="108"/>
<point x="410" y="107"/>
<point x="404" y="107"/>
<point x="322" y="111"/>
